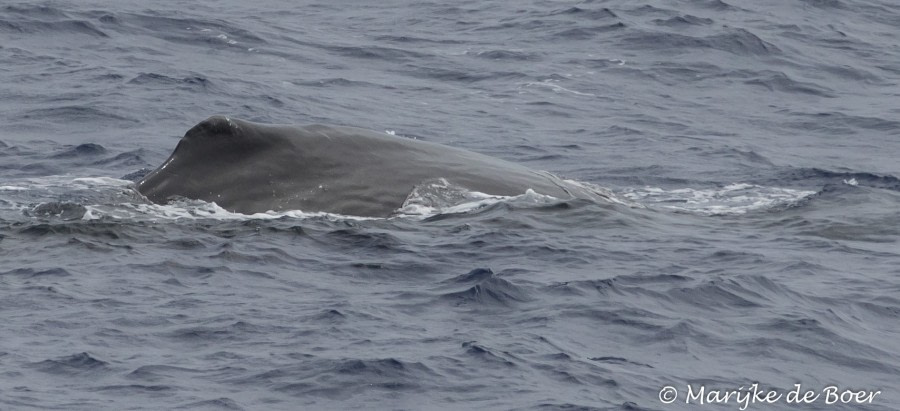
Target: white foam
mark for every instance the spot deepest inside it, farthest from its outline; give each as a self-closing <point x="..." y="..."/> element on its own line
<point x="551" y="84"/>
<point x="89" y="214"/>
<point x="439" y="196"/>
<point x="101" y="182"/>
<point x="33" y="183"/>
<point x="478" y="201"/>
<point x="197" y="210"/>
<point x="112" y="198"/>
<point x="737" y="198"/>
<point x="394" y="133"/>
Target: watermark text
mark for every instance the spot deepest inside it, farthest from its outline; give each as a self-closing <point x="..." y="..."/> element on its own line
<point x="745" y="397"/>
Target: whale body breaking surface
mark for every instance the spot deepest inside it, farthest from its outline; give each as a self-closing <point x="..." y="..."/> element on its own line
<point x="250" y="168"/>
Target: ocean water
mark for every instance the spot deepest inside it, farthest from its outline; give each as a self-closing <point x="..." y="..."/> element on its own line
<point x="752" y="149"/>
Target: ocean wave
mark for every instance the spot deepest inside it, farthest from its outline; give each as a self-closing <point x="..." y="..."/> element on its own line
<point x="736" y="41"/>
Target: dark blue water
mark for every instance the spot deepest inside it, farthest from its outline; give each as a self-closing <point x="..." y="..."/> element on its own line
<point x="754" y="145"/>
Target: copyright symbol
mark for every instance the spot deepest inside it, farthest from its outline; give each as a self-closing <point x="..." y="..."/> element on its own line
<point x="668" y="394"/>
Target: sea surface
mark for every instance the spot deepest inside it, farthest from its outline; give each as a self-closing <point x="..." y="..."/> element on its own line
<point x="752" y="149"/>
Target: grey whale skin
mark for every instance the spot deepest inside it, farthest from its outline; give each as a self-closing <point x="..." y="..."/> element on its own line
<point x="250" y="168"/>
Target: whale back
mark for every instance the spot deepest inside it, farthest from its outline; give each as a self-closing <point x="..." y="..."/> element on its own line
<point x="248" y="168"/>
